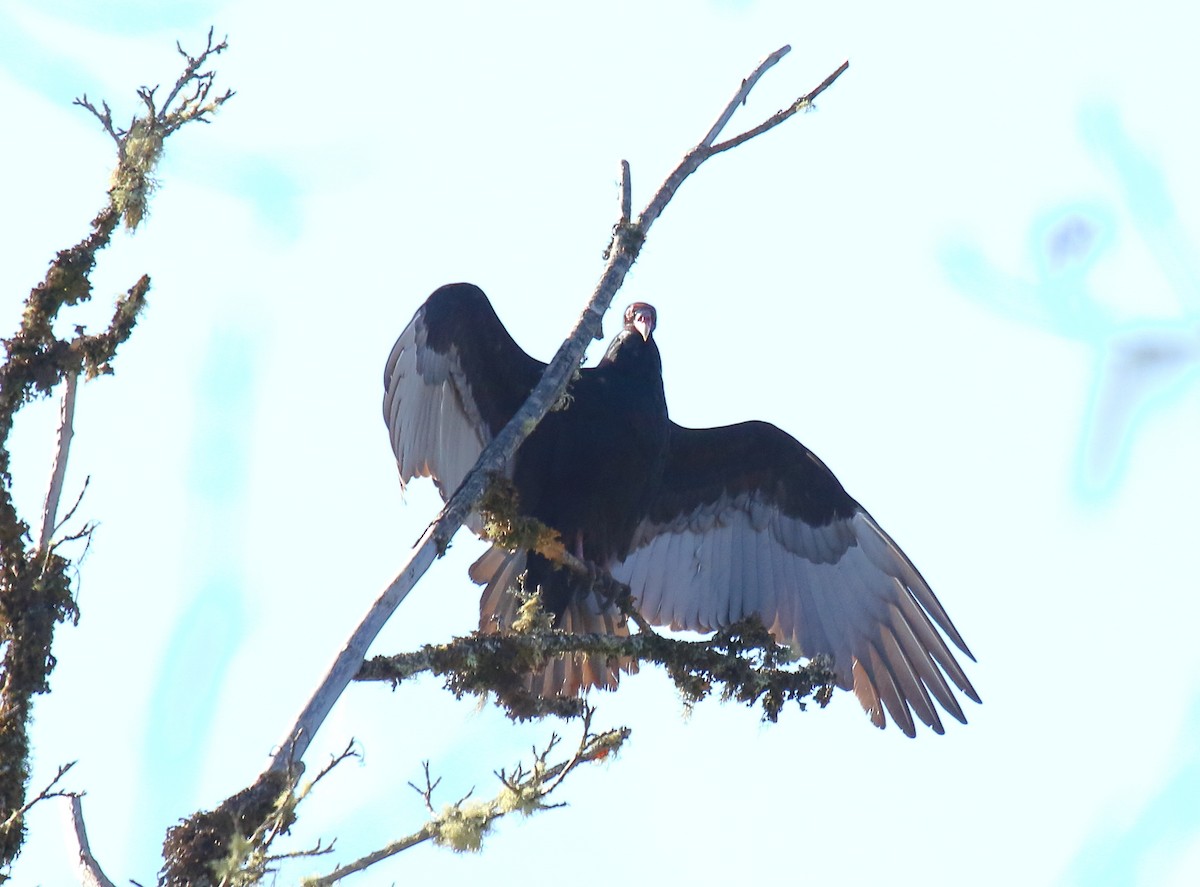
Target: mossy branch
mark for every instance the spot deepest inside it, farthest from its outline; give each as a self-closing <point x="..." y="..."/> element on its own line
<point x="742" y="661"/>
<point x="231" y="845"/>
<point x="140" y="145"/>
<point x="504" y="524"/>
<point x="35" y="593"/>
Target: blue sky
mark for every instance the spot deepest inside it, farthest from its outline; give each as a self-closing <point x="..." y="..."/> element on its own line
<point x="968" y="281"/>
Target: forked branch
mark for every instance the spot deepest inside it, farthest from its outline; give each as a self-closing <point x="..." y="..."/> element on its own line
<point x="170" y="115"/>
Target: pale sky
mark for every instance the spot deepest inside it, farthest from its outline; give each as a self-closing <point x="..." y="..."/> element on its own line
<point x="969" y="281"/>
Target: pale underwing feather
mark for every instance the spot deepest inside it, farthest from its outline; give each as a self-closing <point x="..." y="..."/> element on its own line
<point x="919" y="656"/>
<point x="889" y="693"/>
<point x="910" y="683"/>
<point x="689" y="612"/>
<point x="433" y="423"/>
<point x="843" y="589"/>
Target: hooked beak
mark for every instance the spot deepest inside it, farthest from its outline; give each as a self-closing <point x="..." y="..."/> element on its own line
<point x="643" y="322"/>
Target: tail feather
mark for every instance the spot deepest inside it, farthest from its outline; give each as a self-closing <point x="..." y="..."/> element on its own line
<point x="566" y="675"/>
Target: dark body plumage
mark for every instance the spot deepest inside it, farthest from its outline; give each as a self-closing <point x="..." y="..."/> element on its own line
<point x="706" y="525"/>
<point x="589" y="470"/>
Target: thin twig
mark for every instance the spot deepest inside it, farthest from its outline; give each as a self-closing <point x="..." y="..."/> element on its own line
<point x="203" y="80"/>
<point x="702" y="152"/>
<point x="350" y="751"/>
<point x="626" y="193"/>
<point x="580" y="750"/>
<point x="524" y="790"/>
<point x="90" y="873"/>
<point x="801" y="104"/>
<point x="65" y="433"/>
<point x="87" y="529"/>
<point x="418" y="837"/>
<point x="430" y="784"/>
<point x="45" y="794"/>
<point x="105" y="119"/>
<point x="740" y="99"/>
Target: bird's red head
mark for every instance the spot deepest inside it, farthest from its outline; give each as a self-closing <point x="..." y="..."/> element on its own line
<point x="641" y="317"/>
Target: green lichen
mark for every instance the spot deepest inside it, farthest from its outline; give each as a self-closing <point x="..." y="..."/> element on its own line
<point x="504" y="524"/>
<point x="461" y="827"/>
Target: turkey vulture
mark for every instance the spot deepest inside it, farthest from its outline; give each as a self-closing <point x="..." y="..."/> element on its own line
<point x="706" y="526"/>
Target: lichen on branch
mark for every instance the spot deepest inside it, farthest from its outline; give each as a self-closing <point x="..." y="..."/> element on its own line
<point x="35" y="586"/>
<point x="140" y="144"/>
<point x="741" y="661"/>
<point x="462" y="826"/>
<point x="506" y="526"/>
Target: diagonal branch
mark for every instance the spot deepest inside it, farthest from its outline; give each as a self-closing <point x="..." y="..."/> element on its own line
<point x="66" y="430"/>
<point x="801" y="104"/>
<point x="90" y="873"/>
<point x="14" y="818"/>
<point x="742" y="94"/>
<point x="626" y="246"/>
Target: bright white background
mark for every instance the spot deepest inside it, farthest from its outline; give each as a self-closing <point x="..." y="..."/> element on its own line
<point x="938" y="281"/>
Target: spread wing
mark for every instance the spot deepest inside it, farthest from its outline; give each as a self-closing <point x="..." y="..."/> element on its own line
<point x="749" y="521"/>
<point x="454" y="378"/>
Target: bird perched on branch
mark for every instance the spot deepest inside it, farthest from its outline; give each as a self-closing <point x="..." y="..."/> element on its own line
<point x="707" y="526"/>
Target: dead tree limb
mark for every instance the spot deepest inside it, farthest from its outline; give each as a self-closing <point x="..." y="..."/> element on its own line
<point x="90" y="873"/>
<point x="66" y="430"/>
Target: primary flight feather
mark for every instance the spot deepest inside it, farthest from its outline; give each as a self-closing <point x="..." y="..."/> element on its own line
<point x="707" y="526"/>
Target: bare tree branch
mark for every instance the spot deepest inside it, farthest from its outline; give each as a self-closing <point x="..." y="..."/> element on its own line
<point x="104" y="117"/>
<point x="626" y="194"/>
<point x="801" y="104"/>
<point x="170" y="116"/>
<point x="194" y="107"/>
<point x="90" y="873"/>
<point x="87" y="528"/>
<point x="420" y="836"/>
<point x="14" y="818"/>
<point x="740" y="99"/>
<point x="65" y="432"/>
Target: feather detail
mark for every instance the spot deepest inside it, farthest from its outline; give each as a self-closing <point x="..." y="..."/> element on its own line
<point x="707" y="526"/>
